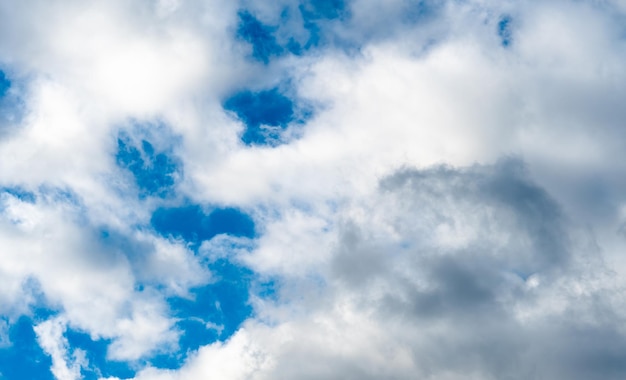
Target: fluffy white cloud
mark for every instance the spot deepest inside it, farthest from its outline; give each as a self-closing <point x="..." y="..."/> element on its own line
<point x="388" y="265"/>
<point x="50" y="336"/>
<point x="92" y="280"/>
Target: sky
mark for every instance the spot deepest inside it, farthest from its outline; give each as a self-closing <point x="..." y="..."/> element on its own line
<point x="312" y="189"/>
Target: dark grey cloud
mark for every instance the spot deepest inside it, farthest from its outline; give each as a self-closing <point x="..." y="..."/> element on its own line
<point x="479" y="271"/>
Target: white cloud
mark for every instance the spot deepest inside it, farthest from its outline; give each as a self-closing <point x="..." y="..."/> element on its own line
<point x="93" y="282"/>
<point x="65" y="366"/>
<point x="389" y="267"/>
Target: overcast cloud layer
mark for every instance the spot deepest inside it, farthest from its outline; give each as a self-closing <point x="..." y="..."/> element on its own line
<point x="330" y="189"/>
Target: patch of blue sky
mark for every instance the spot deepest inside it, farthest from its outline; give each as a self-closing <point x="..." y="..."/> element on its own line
<point x="96" y="353"/>
<point x="260" y="36"/>
<point x="315" y="16"/>
<point x="193" y="225"/>
<point x="231" y="292"/>
<point x="323" y="9"/>
<point x="19" y="193"/>
<point x="155" y="172"/>
<point x="273" y="41"/>
<point x="315" y="34"/>
<point x="295" y="33"/>
<point x="212" y="313"/>
<point x="24" y="358"/>
<point x="504" y="30"/>
<point x="331" y="24"/>
<point x="294" y="47"/>
<point x="5" y="84"/>
<point x="12" y="105"/>
<point x="170" y="361"/>
<point x="266" y="114"/>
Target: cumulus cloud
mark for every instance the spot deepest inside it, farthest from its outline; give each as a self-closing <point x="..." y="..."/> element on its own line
<point x="442" y="273"/>
<point x="313" y="189"/>
<point x="91" y="278"/>
<point x="50" y="336"/>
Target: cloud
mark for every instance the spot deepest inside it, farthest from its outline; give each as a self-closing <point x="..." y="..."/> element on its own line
<point x="50" y="337"/>
<point x="301" y="189"/>
<point x="91" y="281"/>
<point x="443" y="273"/>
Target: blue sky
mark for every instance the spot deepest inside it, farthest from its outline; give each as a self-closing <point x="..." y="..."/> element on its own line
<point x="312" y="189"/>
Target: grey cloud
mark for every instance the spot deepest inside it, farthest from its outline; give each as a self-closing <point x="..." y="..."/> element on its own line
<point x="499" y="219"/>
<point x="458" y="304"/>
